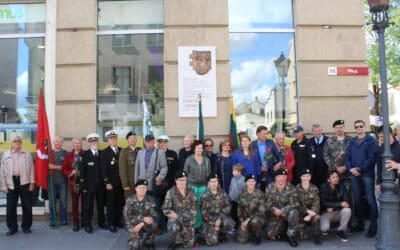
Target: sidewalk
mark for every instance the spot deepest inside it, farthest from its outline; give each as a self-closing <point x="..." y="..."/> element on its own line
<point x="44" y="237"/>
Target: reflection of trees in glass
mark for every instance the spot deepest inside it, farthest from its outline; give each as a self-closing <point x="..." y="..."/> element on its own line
<point x="156" y="101"/>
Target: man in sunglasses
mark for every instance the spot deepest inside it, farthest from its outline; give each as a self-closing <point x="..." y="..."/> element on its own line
<point x="361" y="156"/>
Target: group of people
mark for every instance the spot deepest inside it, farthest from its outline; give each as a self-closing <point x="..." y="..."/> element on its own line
<point x="264" y="188"/>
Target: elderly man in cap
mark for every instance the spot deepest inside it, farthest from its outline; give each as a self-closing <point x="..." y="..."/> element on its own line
<point x="92" y="184"/>
<point x="301" y="151"/>
<point x="127" y="159"/>
<point x="180" y="207"/>
<point x="151" y="165"/>
<point x="17" y="180"/>
<point x="140" y="215"/>
<point x="172" y="159"/>
<point x="215" y="208"/>
<point x="251" y="212"/>
<point x="281" y="201"/>
<point x="110" y="172"/>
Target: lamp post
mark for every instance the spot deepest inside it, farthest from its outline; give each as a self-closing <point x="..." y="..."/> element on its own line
<point x="282" y="67"/>
<point x="389" y="224"/>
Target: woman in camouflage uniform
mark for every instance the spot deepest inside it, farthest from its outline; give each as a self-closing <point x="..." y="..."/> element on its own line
<point x="308" y="200"/>
<point x="140" y="216"/>
<point x="251" y="212"/>
<point x="215" y="208"/>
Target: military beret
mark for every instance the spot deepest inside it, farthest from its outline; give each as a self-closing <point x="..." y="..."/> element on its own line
<point x="92" y="137"/>
<point x="338" y="122"/>
<point x="305" y="171"/>
<point x="212" y="176"/>
<point x="180" y="174"/>
<point x="250" y="176"/>
<point x="141" y="182"/>
<point x="297" y="128"/>
<point x="111" y="133"/>
<point x="280" y="171"/>
<point x="149" y="138"/>
<point x="129" y="134"/>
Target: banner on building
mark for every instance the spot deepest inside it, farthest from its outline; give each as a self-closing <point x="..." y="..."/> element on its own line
<point x="197" y="77"/>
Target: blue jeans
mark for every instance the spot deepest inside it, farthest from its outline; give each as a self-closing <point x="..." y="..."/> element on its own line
<point x="365" y="185"/>
<point x="60" y="190"/>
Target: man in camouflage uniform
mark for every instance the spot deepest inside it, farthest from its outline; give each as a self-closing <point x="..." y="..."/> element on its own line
<point x="140" y="215"/>
<point x="308" y="200"/>
<point x="127" y="159"/>
<point x="334" y="155"/>
<point x="251" y="212"/>
<point x="215" y="208"/>
<point x="281" y="203"/>
<point x="180" y="208"/>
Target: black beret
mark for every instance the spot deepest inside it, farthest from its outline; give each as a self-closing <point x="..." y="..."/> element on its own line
<point x="129" y="134"/>
<point x="305" y="171"/>
<point x="180" y="174"/>
<point x="338" y="122"/>
<point x="280" y="171"/>
<point x="141" y="182"/>
<point x="212" y="176"/>
<point x="250" y="176"/>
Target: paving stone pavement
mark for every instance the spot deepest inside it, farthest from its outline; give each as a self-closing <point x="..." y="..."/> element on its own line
<point x="44" y="237"/>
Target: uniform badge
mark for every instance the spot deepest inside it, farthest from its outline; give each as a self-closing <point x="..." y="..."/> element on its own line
<point x="91" y="163"/>
<point x="313" y="155"/>
<point x="113" y="161"/>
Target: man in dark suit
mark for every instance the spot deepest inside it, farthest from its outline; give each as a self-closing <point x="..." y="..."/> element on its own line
<point x="318" y="166"/>
<point x="301" y="151"/>
<point x="270" y="157"/>
<point x="92" y="184"/>
<point x="110" y="172"/>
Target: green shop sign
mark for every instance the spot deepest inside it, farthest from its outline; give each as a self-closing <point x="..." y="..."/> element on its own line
<point x="7" y="13"/>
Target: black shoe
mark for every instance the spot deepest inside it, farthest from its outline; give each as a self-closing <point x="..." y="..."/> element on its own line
<point x="149" y="246"/>
<point x="103" y="226"/>
<point x="76" y="228"/>
<point x="256" y="241"/>
<point x="173" y="246"/>
<point x="317" y="240"/>
<point x="11" y="232"/>
<point x="370" y="234"/>
<point x="342" y="236"/>
<point x="26" y="231"/>
<point x="113" y="229"/>
<point x="292" y="241"/>
<point x="222" y="238"/>
<point x="88" y="229"/>
<point x="52" y="224"/>
<point x="357" y="228"/>
<point x="64" y="223"/>
<point x="120" y="225"/>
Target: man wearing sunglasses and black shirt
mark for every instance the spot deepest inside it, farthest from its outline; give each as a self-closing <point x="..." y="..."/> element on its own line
<point x="361" y="156"/>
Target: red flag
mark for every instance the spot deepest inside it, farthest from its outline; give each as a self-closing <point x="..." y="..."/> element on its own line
<point x="43" y="145"/>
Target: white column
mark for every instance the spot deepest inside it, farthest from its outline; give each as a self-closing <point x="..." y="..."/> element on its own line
<point x="50" y="64"/>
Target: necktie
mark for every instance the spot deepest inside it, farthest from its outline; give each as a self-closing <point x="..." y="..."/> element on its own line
<point x="116" y="150"/>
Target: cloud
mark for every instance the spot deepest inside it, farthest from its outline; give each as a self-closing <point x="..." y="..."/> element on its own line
<point x="241" y="41"/>
<point x="260" y="11"/>
<point x="252" y="78"/>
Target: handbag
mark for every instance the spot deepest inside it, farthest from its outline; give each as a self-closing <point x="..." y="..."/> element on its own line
<point x="161" y="189"/>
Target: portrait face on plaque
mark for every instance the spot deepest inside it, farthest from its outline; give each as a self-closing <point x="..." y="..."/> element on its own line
<point x="201" y="61"/>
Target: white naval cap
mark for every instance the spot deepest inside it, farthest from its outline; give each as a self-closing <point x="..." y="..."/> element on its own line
<point x="111" y="133"/>
<point x="163" y="138"/>
<point x="92" y="137"/>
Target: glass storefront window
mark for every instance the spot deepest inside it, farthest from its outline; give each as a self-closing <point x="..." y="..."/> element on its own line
<point x="262" y="60"/>
<point x="22" y="28"/>
<point x="130" y="69"/>
<point x="130" y="15"/>
<point x="260" y="14"/>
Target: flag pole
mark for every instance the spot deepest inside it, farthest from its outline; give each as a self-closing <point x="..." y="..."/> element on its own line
<point x="52" y="197"/>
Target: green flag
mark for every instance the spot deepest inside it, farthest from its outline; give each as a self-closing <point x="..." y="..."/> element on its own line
<point x="200" y="124"/>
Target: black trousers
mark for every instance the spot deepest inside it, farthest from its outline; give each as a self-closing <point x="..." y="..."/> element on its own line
<point x="12" y="201"/>
<point x="88" y="206"/>
<point x="115" y="203"/>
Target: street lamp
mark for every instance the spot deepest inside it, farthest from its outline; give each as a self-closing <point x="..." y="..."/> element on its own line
<point x="282" y="67"/>
<point x="389" y="224"/>
<point x="4" y="111"/>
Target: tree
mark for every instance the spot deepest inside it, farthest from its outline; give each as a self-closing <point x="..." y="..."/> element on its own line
<point x="392" y="41"/>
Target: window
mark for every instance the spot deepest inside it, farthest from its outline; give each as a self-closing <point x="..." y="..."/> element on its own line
<point x="262" y="64"/>
<point x="22" y="32"/>
<point x="130" y="69"/>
